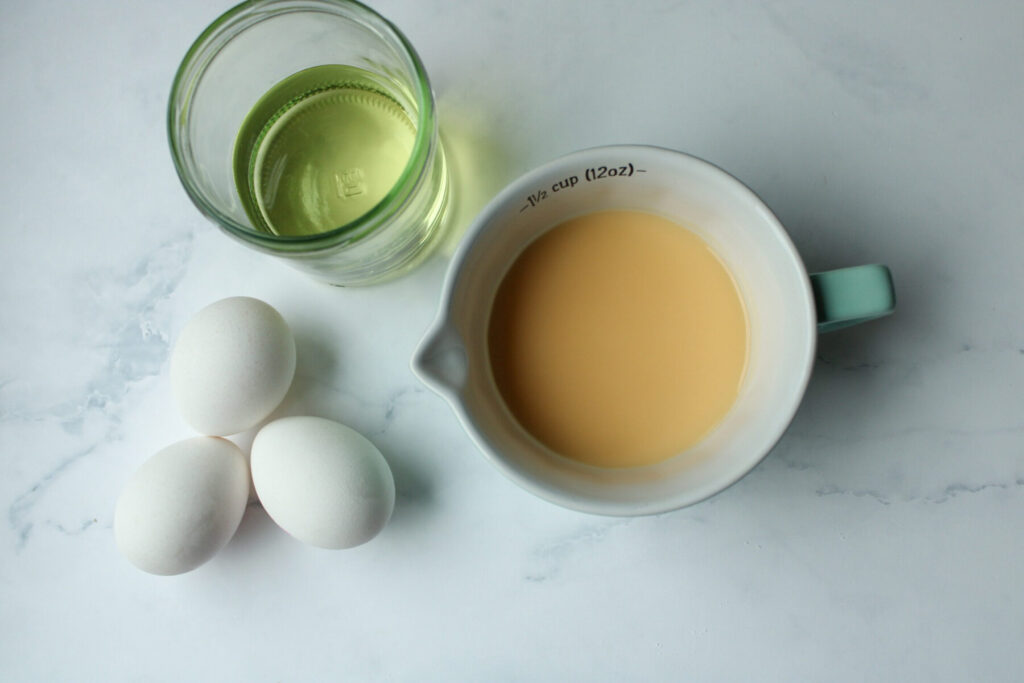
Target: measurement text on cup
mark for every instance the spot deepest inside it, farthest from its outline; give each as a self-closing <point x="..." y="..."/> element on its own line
<point x="589" y="175"/>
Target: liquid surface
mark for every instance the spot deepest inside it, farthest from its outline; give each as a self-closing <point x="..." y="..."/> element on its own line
<point x="618" y="339"/>
<point x="320" y="149"/>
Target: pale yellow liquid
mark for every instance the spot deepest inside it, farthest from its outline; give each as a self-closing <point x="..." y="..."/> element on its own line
<point x="321" y="149"/>
<point x="618" y="339"/>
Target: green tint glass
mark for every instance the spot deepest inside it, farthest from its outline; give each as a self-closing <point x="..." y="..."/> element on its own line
<point x="307" y="130"/>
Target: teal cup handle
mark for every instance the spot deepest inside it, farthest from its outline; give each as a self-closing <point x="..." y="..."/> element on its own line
<point x="849" y="296"/>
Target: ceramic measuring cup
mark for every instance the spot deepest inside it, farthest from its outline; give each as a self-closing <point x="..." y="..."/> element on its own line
<point x="786" y="309"/>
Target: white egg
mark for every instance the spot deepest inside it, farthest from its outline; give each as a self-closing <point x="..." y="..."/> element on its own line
<point x="232" y="365"/>
<point x="322" y="482"/>
<point x="182" y="506"/>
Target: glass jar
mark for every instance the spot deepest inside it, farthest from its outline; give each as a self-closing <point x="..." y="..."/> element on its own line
<point x="245" y="53"/>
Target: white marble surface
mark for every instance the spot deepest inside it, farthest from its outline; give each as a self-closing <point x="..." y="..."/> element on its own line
<point x="881" y="540"/>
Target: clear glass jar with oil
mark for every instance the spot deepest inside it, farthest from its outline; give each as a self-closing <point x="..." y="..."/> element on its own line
<point x="307" y="130"/>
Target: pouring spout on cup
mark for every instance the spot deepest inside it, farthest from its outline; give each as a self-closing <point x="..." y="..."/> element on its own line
<point x="440" y="361"/>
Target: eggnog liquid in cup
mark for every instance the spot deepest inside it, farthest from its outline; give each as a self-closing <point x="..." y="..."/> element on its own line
<point x="618" y="339"/>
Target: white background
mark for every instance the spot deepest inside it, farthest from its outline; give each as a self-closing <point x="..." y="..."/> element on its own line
<point x="881" y="540"/>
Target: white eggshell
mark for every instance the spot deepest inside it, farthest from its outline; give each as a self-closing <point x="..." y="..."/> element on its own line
<point x="232" y="365"/>
<point x="182" y="506"/>
<point x="322" y="482"/>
